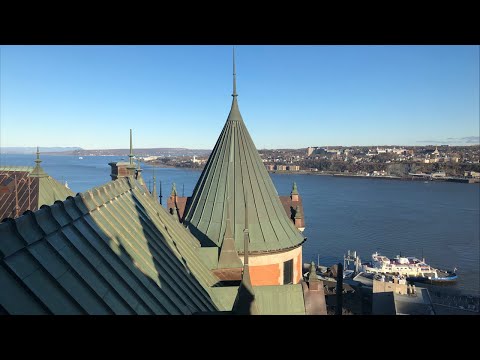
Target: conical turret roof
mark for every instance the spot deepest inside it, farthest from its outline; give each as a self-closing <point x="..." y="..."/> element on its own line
<point x="235" y="171"/>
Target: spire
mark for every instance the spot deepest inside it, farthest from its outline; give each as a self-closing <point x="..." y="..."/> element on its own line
<point x="235" y="161"/>
<point x="294" y="189"/>
<point x="154" y="191"/>
<point x="234" y="111"/>
<point x="38" y="171"/>
<point x="37" y="160"/>
<point x="131" y="150"/>
<point x="234" y="76"/>
<point x="174" y="190"/>
<point x="228" y="257"/>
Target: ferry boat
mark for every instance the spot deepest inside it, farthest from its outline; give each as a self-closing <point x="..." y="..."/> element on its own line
<point x="412" y="268"/>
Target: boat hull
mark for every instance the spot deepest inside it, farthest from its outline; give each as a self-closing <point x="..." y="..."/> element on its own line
<point x="450" y="279"/>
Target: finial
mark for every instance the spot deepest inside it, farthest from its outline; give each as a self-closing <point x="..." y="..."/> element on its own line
<point x="174" y="190"/>
<point x="234" y="76"/>
<point x="131" y="149"/>
<point x="37" y="160"/>
<point x="294" y="189"/>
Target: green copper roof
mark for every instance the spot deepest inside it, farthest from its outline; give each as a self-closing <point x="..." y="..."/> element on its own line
<point x="16" y="168"/>
<point x="280" y="299"/>
<point x="110" y="250"/>
<point x="228" y="257"/>
<point x="235" y="170"/>
<point x="270" y="300"/>
<point x="51" y="190"/>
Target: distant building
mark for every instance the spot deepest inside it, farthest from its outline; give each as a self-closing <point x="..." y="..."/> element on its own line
<point x="270" y="167"/>
<point x="394" y="298"/>
<point x="472" y="174"/>
<point x="439" y="174"/>
<point x="281" y="167"/>
<point x="310" y="150"/>
<point x="293" y="168"/>
<point x="150" y="158"/>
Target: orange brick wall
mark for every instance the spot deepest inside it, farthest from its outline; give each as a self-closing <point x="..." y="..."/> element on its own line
<point x="265" y="274"/>
<point x="298" y="265"/>
<point x="270" y="274"/>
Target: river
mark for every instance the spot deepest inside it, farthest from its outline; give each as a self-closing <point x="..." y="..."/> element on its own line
<point x="438" y="219"/>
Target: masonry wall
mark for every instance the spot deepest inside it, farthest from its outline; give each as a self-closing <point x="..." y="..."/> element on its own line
<point x="380" y="286"/>
<point x="268" y="269"/>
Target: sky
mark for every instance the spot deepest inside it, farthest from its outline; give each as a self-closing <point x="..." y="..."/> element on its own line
<point x="289" y="96"/>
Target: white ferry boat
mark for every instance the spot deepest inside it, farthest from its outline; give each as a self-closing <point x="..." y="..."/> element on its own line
<point x="412" y="268"/>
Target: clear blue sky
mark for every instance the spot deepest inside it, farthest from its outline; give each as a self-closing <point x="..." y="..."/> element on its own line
<point x="289" y="96"/>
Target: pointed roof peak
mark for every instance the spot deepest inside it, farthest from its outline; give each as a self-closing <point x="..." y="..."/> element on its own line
<point x="234" y="169"/>
<point x="234" y="114"/>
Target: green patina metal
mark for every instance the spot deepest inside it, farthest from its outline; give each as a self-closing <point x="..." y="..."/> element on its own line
<point x="174" y="190"/>
<point x="110" y="250"/>
<point x="235" y="170"/>
<point x="228" y="257"/>
<point x="298" y="213"/>
<point x="294" y="189"/>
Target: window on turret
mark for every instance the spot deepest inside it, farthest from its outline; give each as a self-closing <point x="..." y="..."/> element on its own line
<point x="288" y="272"/>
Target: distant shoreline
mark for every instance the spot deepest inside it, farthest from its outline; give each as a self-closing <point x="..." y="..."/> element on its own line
<point x="404" y="178"/>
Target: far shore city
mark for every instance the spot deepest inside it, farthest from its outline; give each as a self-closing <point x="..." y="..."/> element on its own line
<point x="436" y="162"/>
